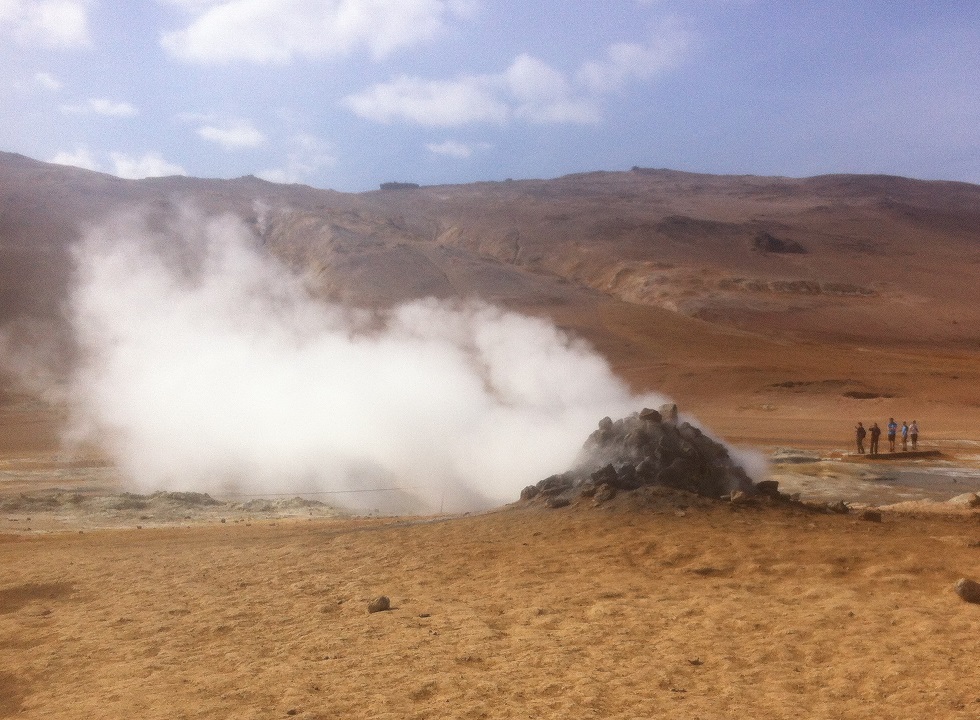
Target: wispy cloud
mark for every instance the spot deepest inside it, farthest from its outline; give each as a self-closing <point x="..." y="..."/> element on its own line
<point x="48" y="81"/>
<point x="232" y="134"/>
<point x="150" y="164"/>
<point x="627" y="62"/>
<point x="437" y="103"/>
<point x="82" y="157"/>
<point x="528" y="90"/>
<point x="102" y="106"/>
<point x="306" y="156"/>
<point x="48" y="23"/>
<point x="278" y="31"/>
<point x="455" y="149"/>
<point x="131" y="167"/>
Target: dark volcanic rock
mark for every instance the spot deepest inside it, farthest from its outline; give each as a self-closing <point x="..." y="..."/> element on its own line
<point x="649" y="448"/>
<point x="530" y="492"/>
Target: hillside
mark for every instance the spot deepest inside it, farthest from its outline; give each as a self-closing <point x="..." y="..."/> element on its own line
<point x="760" y="303"/>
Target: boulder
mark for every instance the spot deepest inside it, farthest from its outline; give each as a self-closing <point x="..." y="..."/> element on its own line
<point x="968" y="590"/>
<point x="651" y="416"/>
<point x="530" y="492"/>
<point x="768" y="487"/>
<point x="379" y="604"/>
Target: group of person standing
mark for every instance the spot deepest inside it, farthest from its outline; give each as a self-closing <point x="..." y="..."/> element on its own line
<point x="909" y="432"/>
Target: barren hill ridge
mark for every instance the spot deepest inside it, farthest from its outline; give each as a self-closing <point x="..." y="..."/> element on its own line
<point x="659" y="269"/>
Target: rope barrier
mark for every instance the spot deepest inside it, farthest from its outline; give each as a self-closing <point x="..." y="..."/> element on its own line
<point x="316" y="492"/>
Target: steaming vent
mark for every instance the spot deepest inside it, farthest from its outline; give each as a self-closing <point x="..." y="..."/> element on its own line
<point x="650" y="448"/>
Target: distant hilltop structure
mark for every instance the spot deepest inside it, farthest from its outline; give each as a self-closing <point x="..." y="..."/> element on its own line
<point x="399" y="186"/>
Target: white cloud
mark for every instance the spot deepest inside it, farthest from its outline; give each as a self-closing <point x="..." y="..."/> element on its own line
<point x="48" y="81"/>
<point x="624" y="62"/>
<point x="307" y="155"/>
<point x="82" y="157"/>
<point x="435" y="103"/>
<point x="233" y="135"/>
<point x="48" y="23"/>
<point x="529" y="89"/>
<point x="102" y="106"/>
<point x="151" y="164"/>
<point x="532" y="80"/>
<point x="278" y="31"/>
<point x="131" y="167"/>
<point x="451" y="148"/>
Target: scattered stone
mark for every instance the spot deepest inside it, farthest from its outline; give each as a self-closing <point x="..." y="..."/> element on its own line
<point x="768" y="487"/>
<point x="555" y="485"/>
<point x="604" y="493"/>
<point x="529" y="493"/>
<point x="838" y="507"/>
<point x="557" y="502"/>
<point x="379" y="604"/>
<point x="652" y="416"/>
<point x="871" y="515"/>
<point x="668" y="412"/>
<point x="968" y="590"/>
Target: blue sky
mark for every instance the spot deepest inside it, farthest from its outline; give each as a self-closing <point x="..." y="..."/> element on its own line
<point x="346" y="94"/>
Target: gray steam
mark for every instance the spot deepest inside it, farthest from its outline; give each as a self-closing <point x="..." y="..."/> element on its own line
<point x="209" y="366"/>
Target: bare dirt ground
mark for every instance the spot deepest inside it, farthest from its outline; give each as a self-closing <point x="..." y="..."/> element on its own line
<point x="617" y="612"/>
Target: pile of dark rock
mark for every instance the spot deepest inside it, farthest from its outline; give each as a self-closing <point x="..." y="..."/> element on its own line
<point x="651" y="448"/>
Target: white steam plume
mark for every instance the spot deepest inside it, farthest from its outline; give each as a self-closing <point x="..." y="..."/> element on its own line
<point x="208" y="366"/>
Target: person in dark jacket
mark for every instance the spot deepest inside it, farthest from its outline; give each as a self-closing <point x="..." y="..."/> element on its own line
<point x="875" y="436"/>
<point x="859" y="433"/>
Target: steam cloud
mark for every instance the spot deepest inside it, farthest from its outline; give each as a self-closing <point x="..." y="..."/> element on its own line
<point x="209" y="366"/>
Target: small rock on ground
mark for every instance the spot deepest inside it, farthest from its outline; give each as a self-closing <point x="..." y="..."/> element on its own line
<point x="968" y="589"/>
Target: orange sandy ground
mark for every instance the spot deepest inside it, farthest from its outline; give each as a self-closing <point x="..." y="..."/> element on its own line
<point x="519" y="613"/>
